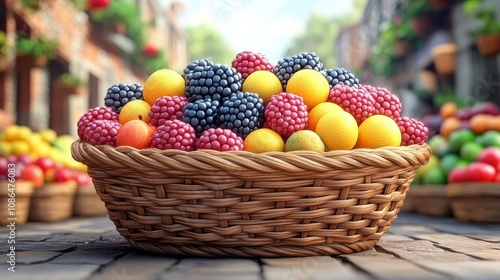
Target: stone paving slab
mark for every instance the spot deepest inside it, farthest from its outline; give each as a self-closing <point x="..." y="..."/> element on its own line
<point x="416" y="247"/>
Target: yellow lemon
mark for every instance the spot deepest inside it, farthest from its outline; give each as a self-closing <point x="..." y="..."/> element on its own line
<point x="162" y="82"/>
<point x="304" y="140"/>
<point x="11" y="132"/>
<point x="320" y="110"/>
<point x="48" y="135"/>
<point x="378" y="131"/>
<point x="263" y="140"/>
<point x="311" y="85"/>
<point x="338" y="130"/>
<point x="264" y="83"/>
<point x="135" y="110"/>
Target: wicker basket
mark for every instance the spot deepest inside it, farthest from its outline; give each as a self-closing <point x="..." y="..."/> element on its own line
<point x="23" y="192"/>
<point x="87" y="202"/>
<point x="52" y="202"/>
<point x="409" y="205"/>
<point x="475" y="202"/>
<point x="210" y="203"/>
<point x="432" y="200"/>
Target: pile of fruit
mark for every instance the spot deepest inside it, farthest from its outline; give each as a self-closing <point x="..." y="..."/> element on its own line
<point x="40" y="157"/>
<point x="251" y="105"/>
<point x="465" y="145"/>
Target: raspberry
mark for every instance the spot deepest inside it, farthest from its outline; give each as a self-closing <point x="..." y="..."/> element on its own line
<point x="174" y="134"/>
<point x="167" y="108"/>
<point x="242" y="112"/>
<point x="247" y="62"/>
<point x="201" y="114"/>
<point x="97" y="113"/>
<point x="120" y="94"/>
<point x="286" y="113"/>
<point x="102" y="132"/>
<point x="386" y="103"/>
<point x="291" y="64"/>
<point x="356" y="101"/>
<point x="412" y="131"/>
<point x="219" y="139"/>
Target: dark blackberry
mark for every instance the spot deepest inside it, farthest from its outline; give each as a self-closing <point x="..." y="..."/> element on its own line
<point x="120" y="94"/>
<point x="286" y="67"/>
<point x="215" y="82"/>
<point x="242" y="113"/>
<point x="340" y="76"/>
<point x="201" y="114"/>
<point x="197" y="63"/>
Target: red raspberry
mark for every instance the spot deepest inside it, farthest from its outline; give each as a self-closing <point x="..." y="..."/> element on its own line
<point x="286" y="113"/>
<point x="97" y="113"/>
<point x="101" y="132"/>
<point x="167" y="108"/>
<point x="386" y="103"/>
<point x="174" y="134"/>
<point x="247" y="62"/>
<point x="356" y="101"/>
<point x="219" y="139"/>
<point x="412" y="131"/>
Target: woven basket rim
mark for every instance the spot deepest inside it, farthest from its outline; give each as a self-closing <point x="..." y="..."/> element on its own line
<point x="471" y="189"/>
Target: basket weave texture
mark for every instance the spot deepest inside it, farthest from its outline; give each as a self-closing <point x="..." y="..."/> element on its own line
<point x="23" y="192"/>
<point x="52" y="202"/>
<point x="87" y="203"/>
<point x="431" y="200"/>
<point x="210" y="203"/>
<point x="475" y="202"/>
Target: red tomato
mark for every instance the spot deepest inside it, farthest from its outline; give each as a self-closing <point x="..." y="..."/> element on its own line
<point x="33" y="173"/>
<point x="490" y="155"/>
<point x="458" y="175"/>
<point x="480" y="172"/>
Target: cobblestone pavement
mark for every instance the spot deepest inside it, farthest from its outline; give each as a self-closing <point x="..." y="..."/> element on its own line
<point x="416" y="247"/>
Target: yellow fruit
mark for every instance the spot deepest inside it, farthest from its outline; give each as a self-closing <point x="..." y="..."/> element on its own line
<point x="135" y="110"/>
<point x="264" y="83"/>
<point x="263" y="140"/>
<point x="378" y="131"/>
<point x="338" y="130"/>
<point x="311" y="85"/>
<point x="320" y="110"/>
<point x="48" y="135"/>
<point x="162" y="82"/>
<point x="5" y="148"/>
<point x="304" y="140"/>
<point x="11" y="132"/>
<point x="19" y="147"/>
<point x="24" y="133"/>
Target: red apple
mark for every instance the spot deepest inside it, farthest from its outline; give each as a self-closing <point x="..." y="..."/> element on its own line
<point x="150" y="50"/>
<point x="490" y="155"/>
<point x="480" y="172"/>
<point x="63" y="175"/>
<point x="45" y="163"/>
<point x="135" y="133"/>
<point x="26" y="159"/>
<point x="458" y="175"/>
<point x="32" y="172"/>
<point x="82" y="179"/>
<point x="97" y="4"/>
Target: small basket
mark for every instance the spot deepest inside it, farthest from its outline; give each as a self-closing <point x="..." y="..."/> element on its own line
<point x="52" y="202"/>
<point x="409" y="205"/>
<point x="475" y="202"/>
<point x="431" y="200"/>
<point x="87" y="202"/>
<point x="21" y="206"/>
<point x="275" y="204"/>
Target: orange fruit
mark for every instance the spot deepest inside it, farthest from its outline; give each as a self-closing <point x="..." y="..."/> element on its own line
<point x="264" y="83"/>
<point x="320" y="110"/>
<point x="304" y="140"/>
<point x="494" y="123"/>
<point x="311" y="85"/>
<point x="338" y="130"/>
<point x="449" y="125"/>
<point x="263" y="140"/>
<point x="162" y="82"/>
<point x="134" y="110"/>
<point x="378" y="131"/>
<point x="480" y="123"/>
<point x="447" y="110"/>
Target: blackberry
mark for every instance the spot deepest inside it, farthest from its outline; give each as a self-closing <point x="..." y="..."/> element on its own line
<point x="197" y="63"/>
<point x="242" y="113"/>
<point x="340" y="76"/>
<point x="216" y="82"/>
<point x="287" y="66"/>
<point x="201" y="114"/>
<point x="120" y="94"/>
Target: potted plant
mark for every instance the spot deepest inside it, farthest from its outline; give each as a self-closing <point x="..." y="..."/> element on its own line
<point x="117" y="17"/>
<point x="35" y="51"/>
<point x="444" y="56"/>
<point x="70" y="84"/>
<point x="420" y="15"/>
<point x="488" y="31"/>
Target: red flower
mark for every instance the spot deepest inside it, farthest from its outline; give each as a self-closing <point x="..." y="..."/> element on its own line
<point x="97" y="4"/>
<point x="150" y="50"/>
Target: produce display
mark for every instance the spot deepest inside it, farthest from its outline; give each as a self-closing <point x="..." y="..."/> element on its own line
<point x="465" y="145"/>
<point x="251" y="105"/>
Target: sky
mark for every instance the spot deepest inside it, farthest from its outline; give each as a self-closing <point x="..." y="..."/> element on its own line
<point x="265" y="26"/>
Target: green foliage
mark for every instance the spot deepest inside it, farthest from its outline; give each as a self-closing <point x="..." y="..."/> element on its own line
<point x="206" y="42"/>
<point x="486" y="16"/>
<point x="152" y="64"/>
<point x="71" y="79"/>
<point x="31" y="4"/>
<point x="416" y="8"/>
<point x="37" y="46"/>
<point x="5" y="45"/>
